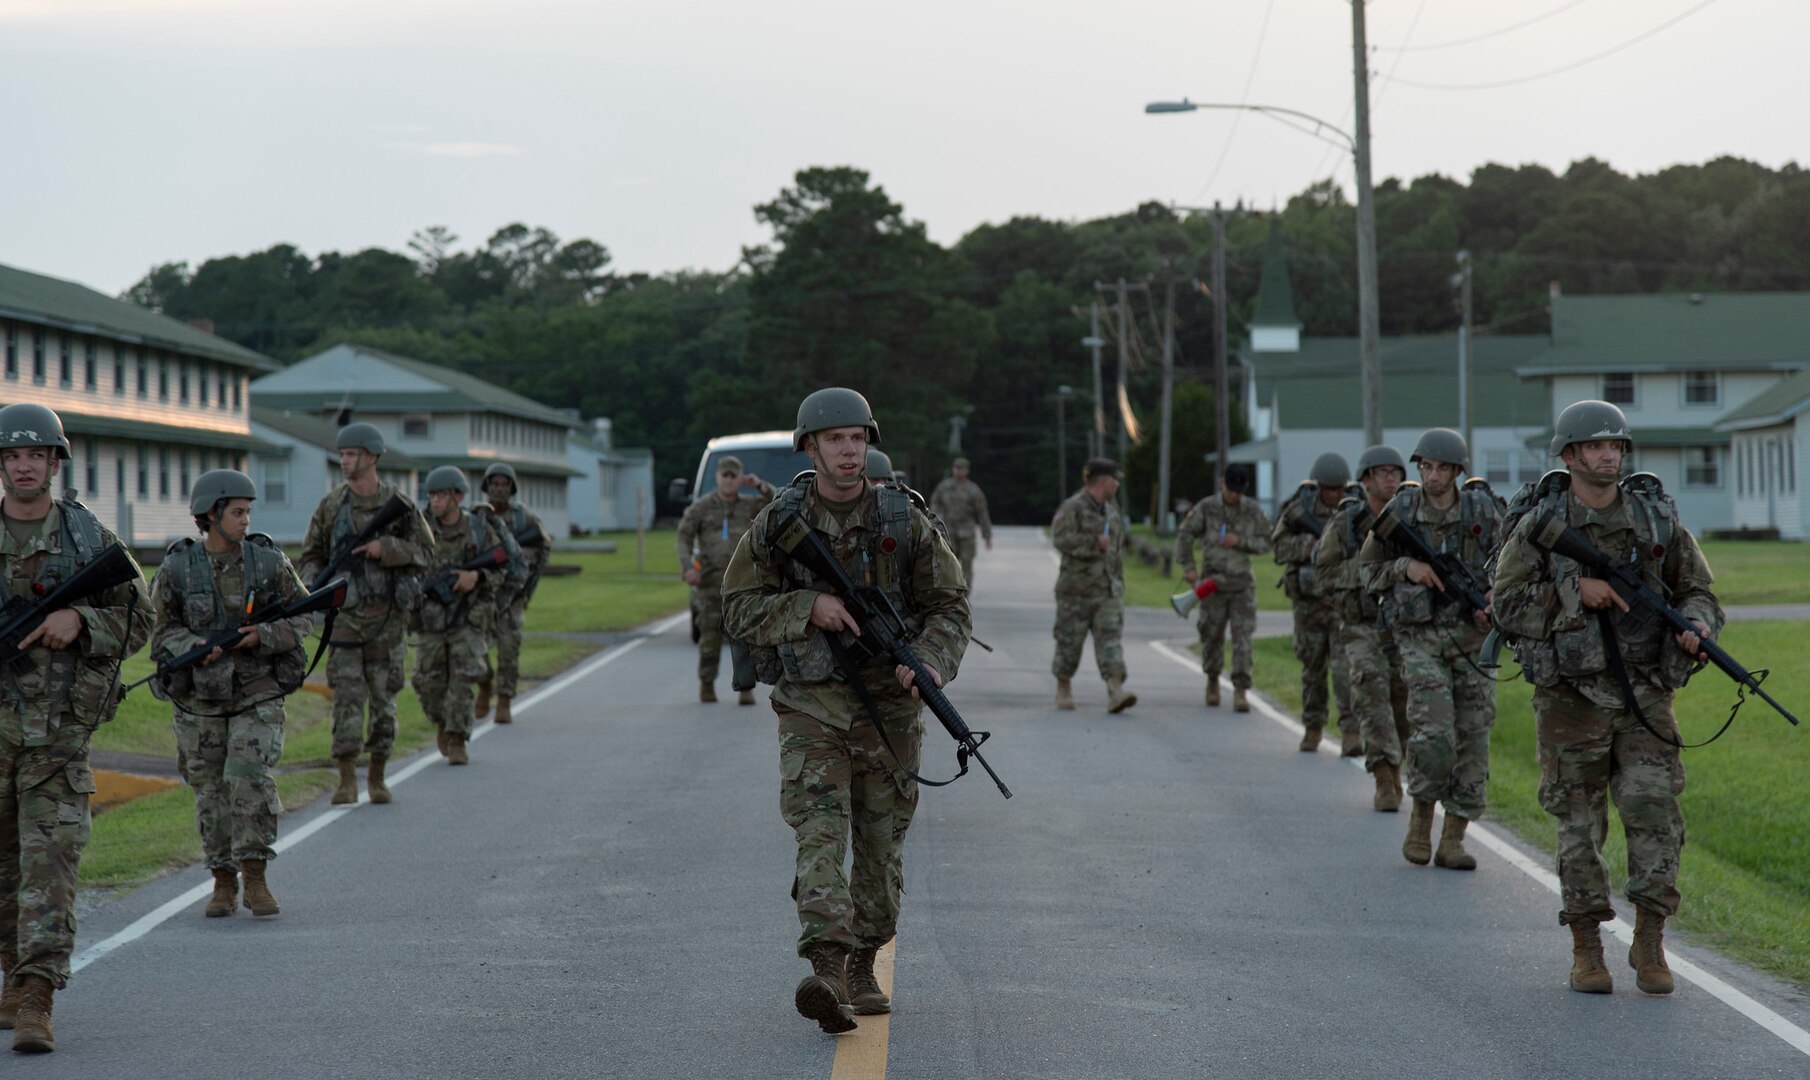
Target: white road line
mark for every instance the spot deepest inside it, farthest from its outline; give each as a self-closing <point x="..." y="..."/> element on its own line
<point x="1796" y="1037"/>
<point x="168" y="910"/>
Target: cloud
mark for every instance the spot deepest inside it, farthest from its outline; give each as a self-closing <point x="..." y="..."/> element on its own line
<point x="470" y="149"/>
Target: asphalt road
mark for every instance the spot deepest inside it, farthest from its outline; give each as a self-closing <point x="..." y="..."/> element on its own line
<point x="1173" y="892"/>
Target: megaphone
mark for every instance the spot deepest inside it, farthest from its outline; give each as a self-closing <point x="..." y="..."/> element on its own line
<point x="1185" y="602"/>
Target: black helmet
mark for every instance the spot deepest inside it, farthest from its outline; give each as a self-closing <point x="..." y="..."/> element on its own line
<point x="502" y="468"/>
<point x="30" y="424"/>
<point x="1330" y="470"/>
<point x="835" y="406"/>
<point x="1380" y="455"/>
<point x="1442" y="444"/>
<point x="1584" y="421"/>
<point x="448" y="478"/>
<point x="360" y="436"/>
<point x="217" y="484"/>
<point x="879" y="466"/>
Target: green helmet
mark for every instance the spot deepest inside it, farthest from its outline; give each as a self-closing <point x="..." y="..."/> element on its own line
<point x="360" y="436"/>
<point x="28" y="424"/>
<point x="448" y="478"/>
<point x="1442" y="444"/>
<point x="1330" y="470"/>
<point x="1583" y="421"/>
<point x="217" y="484"/>
<point x="500" y="468"/>
<point x="835" y="406"/>
<point x="1380" y="455"/>
<point x="879" y="466"/>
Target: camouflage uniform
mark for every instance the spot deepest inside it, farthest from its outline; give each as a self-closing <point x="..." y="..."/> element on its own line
<point x="452" y="645"/>
<point x="229" y="714"/>
<point x="1590" y="742"/>
<point x="365" y="662"/>
<point x="49" y="707"/>
<point x="1378" y="696"/>
<point x="1090" y="587"/>
<point x="1451" y="704"/>
<point x="963" y="507"/>
<point x="1234" y="603"/>
<point x="512" y="604"/>
<point x="838" y="784"/>
<point x="709" y="533"/>
<point x="1316" y="630"/>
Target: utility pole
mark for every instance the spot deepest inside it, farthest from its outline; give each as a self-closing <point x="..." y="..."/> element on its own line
<point x="1163" y="451"/>
<point x="1464" y="353"/>
<point x="1124" y="358"/>
<point x="1062" y="395"/>
<point x="1222" y="406"/>
<point x="1096" y="437"/>
<point x="1369" y="326"/>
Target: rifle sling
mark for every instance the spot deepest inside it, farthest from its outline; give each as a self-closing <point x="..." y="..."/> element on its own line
<point x="1612" y="646"/>
<point x="852" y="675"/>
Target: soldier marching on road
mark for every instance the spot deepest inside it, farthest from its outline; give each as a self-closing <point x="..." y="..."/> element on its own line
<point x="709" y="532"/>
<point x="500" y="489"/>
<point x="962" y="505"/>
<point x="1585" y="652"/>
<point x="229" y="712"/>
<point x="1090" y="587"/>
<point x="1229" y="527"/>
<point x="1299" y="524"/>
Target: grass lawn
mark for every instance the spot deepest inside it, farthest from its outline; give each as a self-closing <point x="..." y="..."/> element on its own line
<point x="608" y="593"/>
<point x="1145" y="586"/>
<point x="1760" y="571"/>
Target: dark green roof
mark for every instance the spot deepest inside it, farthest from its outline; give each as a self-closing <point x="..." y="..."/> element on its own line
<point x="66" y="305"/>
<point x="1318" y="387"/>
<point x="1775" y="405"/>
<point x="457" y="392"/>
<point x="319" y="432"/>
<point x="1275" y="296"/>
<point x="1677" y="332"/>
<point x="1664" y="436"/>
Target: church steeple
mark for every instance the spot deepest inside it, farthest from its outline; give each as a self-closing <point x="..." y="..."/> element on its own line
<point x="1274" y="325"/>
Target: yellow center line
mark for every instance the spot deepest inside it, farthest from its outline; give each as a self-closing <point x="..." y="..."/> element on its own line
<point x="861" y="1054"/>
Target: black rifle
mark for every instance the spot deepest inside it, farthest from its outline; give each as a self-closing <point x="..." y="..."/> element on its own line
<point x="883" y="632"/>
<point x="1460" y="583"/>
<point x="531" y="536"/>
<point x="1552" y="533"/>
<point x="1307" y="521"/>
<point x="387" y="514"/>
<point x="440" y="586"/>
<point x="20" y="616"/>
<point x="327" y="598"/>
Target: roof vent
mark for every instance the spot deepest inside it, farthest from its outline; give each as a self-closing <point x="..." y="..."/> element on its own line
<point x="1696" y="298"/>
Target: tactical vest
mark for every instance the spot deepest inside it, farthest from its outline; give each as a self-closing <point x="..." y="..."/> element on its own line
<point x="430" y="615"/>
<point x="369" y="579"/>
<point x="204" y="613"/>
<point x="78" y="542"/>
<point x="1352" y="541"/>
<point x="1408" y="604"/>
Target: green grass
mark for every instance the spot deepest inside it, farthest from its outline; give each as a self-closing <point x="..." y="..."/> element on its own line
<point x="1146" y="587"/>
<point x="608" y="593"/>
<point x="1759" y="571"/>
<point x="136" y="841"/>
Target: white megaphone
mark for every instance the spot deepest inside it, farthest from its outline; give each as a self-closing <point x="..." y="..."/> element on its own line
<point x="1185" y="602"/>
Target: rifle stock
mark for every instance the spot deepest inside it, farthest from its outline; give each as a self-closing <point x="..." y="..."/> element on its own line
<point x="387" y="514"/>
<point x="112" y="567"/>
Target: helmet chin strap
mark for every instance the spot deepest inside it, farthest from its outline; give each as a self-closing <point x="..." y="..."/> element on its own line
<point x="27" y="493"/>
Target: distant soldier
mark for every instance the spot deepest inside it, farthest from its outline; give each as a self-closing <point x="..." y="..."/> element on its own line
<point x="452" y="622"/>
<point x="1451" y="701"/>
<point x="708" y="534"/>
<point x="1584" y="651"/>
<point x="1378" y="697"/>
<point x="963" y="507"/>
<point x="1229" y="527"/>
<point x="365" y="661"/>
<point x="229" y="712"/>
<point x="512" y="604"/>
<point x="879" y="468"/>
<point x="1090" y="586"/>
<point x="63" y="688"/>
<point x="1299" y="523"/>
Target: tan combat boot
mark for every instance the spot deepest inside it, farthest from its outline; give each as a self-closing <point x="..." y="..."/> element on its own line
<point x="1310" y="739"/>
<point x="347" y="791"/>
<point x="1451" y="853"/>
<point x="380" y="792"/>
<point x="1351" y="740"/>
<point x="864" y="994"/>
<point x="707" y="693"/>
<point x="746" y="697"/>
<point x="1646" y="956"/>
<point x="258" y="900"/>
<point x="226" y="893"/>
<point x="32" y="1033"/>
<point x="455" y="750"/>
<point x="482" y="704"/>
<point x="503" y="715"/>
<point x="9" y="994"/>
<point x="1418" y="847"/>
<point x="1240" y="703"/>
<point x="820" y="995"/>
<point x="1589" y="975"/>
<point x="1388" y="789"/>
<point x="1065" y="696"/>
<point x="1212" y="693"/>
<point x="1118" y="699"/>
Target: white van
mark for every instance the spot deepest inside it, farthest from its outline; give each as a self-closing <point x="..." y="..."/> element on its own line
<point x="766" y="454"/>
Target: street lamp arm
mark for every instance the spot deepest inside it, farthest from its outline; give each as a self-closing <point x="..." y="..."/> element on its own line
<point x="1275" y="112"/>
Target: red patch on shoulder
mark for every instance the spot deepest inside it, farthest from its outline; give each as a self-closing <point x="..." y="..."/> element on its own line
<point x="889" y="545"/>
<point x="1659" y="551"/>
<point x="38" y="589"/>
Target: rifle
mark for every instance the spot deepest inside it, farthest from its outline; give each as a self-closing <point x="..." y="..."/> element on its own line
<point x="20" y="616"/>
<point x="387" y="514"/>
<point x="327" y="598"/>
<point x="881" y="625"/>
<point x="1309" y="522"/>
<point x="1460" y="583"/>
<point x="440" y="586"/>
<point x="1552" y="533"/>
<point x="530" y="537"/>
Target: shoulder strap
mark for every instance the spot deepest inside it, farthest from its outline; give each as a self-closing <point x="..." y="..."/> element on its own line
<point x="83" y="527"/>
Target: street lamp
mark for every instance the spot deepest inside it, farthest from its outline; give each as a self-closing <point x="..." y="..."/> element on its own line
<point x="1370" y="375"/>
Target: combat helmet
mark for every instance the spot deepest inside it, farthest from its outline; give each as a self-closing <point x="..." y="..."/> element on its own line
<point x="1330" y="470"/>
<point x="879" y="466"/>
<point x="1583" y="421"/>
<point x="217" y="485"/>
<point x="1443" y="444"/>
<point x="29" y="424"/>
<point x="1380" y="455"/>
<point x="831" y="407"/>
<point x="360" y="436"/>
<point x="502" y="468"/>
<point x="448" y="478"/>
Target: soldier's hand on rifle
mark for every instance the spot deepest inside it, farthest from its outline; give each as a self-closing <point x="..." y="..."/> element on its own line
<point x="906" y="678"/>
<point x="691" y="575"/>
<point x="1421" y="573"/>
<point x="828" y="613"/>
<point x="251" y="640"/>
<point x="373" y="550"/>
<point x="1597" y="593"/>
<point x="1483" y="618"/>
<point x="58" y="631"/>
<point x="213" y="656"/>
<point x="464" y="580"/>
<point x="1689" y="641"/>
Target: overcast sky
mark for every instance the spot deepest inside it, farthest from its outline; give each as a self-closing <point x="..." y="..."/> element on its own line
<point x="134" y="132"/>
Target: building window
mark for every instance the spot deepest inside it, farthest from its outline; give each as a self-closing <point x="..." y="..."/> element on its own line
<point x="417" y="426"/>
<point x="220" y="397"/>
<point x="275" y="485"/>
<point x="1702" y="388"/>
<point x="119" y="476"/>
<point x="182" y="460"/>
<point x="143" y="385"/>
<point x="37" y="355"/>
<point x="144" y="488"/>
<point x="1618" y="387"/>
<point x="1701" y="470"/>
<point x="182" y="380"/>
<point x="238" y="387"/>
<point x="1791" y="464"/>
<point x="163" y="472"/>
<point x="65" y="361"/>
<point x="12" y="350"/>
<point x="163" y="377"/>
<point x="119" y="369"/>
<point x="89" y="378"/>
<point x="1738" y="449"/>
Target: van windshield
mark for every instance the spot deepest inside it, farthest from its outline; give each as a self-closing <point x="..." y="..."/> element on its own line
<point x="774" y="464"/>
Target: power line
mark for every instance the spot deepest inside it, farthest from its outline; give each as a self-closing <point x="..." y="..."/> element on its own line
<point x="1473" y="39"/>
<point x="1562" y="69"/>
<point x="1244" y="97"/>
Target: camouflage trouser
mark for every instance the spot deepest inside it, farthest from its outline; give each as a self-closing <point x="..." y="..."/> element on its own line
<point x="361" y="675"/>
<point x="965" y="548"/>
<point x="446" y="666"/>
<point x="842" y="789"/>
<point x="1238" y="610"/>
<point x="1451" y="707"/>
<point x="227" y="760"/>
<point x="44" y="824"/>
<point x="1317" y="647"/>
<point x="1076" y="616"/>
<point x="1587" y="751"/>
<point x="508" y="634"/>
<point x="708" y="607"/>
<point x="1378" y="696"/>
